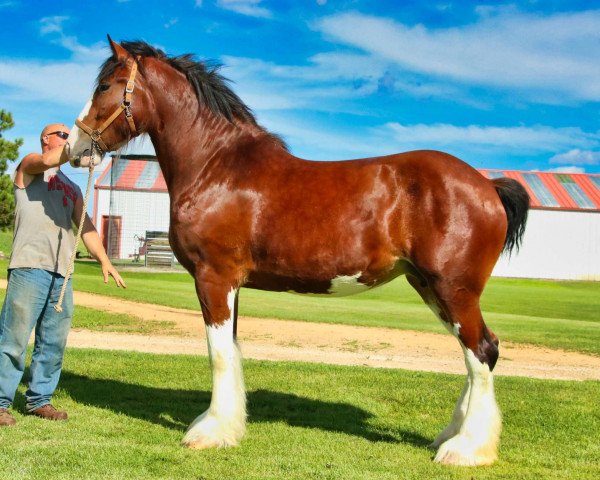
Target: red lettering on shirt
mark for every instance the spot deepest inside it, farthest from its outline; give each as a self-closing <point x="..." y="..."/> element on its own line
<point x="55" y="183"/>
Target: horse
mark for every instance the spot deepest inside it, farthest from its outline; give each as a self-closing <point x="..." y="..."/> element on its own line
<point x="245" y="212"/>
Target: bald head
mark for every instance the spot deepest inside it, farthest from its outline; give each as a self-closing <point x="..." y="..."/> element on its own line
<point x="54" y="127"/>
<point x="51" y="135"/>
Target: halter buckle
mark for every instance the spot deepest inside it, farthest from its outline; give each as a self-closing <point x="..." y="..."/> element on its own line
<point x="95" y="135"/>
<point x="129" y="87"/>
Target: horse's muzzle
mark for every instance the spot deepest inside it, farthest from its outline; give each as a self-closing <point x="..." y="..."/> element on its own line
<point x="85" y="159"/>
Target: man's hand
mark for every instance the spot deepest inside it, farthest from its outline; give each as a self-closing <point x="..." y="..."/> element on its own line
<point x="109" y="270"/>
<point x="92" y="242"/>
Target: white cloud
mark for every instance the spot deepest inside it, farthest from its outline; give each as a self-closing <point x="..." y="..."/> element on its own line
<point x="474" y="143"/>
<point x="323" y="142"/>
<point x="547" y="56"/>
<point x="250" y="8"/>
<point x="63" y="83"/>
<point x="264" y="85"/>
<point x="329" y="82"/>
<point x="322" y="68"/>
<point x="567" y="169"/>
<point x="49" y="84"/>
<point x="515" y="139"/>
<point x="577" y="157"/>
<point x="171" y="22"/>
<point x="54" y="26"/>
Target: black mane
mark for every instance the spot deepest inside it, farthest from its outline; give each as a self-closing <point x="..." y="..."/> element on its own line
<point x="211" y="87"/>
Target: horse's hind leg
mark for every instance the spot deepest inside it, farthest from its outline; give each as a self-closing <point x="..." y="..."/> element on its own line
<point x="472" y="436"/>
<point x="460" y="411"/>
<point x="458" y="416"/>
<point x="224" y="423"/>
<point x="476" y="442"/>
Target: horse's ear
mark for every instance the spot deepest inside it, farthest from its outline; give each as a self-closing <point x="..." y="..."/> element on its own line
<point x="118" y="50"/>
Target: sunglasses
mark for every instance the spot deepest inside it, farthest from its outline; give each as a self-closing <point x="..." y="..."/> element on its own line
<point x="59" y="134"/>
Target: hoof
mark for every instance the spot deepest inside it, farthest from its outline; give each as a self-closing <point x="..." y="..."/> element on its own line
<point x="457" y="451"/>
<point x="203" y="443"/>
<point x="208" y="431"/>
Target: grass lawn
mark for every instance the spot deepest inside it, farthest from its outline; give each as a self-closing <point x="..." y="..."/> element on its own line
<point x="91" y="319"/>
<point x="6" y="238"/>
<point x="128" y="413"/>
<point x="548" y="313"/>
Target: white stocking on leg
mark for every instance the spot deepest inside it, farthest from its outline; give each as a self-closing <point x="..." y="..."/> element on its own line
<point x="457" y="417"/>
<point x="224" y="423"/>
<point x="476" y="443"/>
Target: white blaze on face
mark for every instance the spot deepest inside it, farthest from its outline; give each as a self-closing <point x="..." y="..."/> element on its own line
<point x="79" y="141"/>
<point x="77" y="138"/>
<point x="347" y="285"/>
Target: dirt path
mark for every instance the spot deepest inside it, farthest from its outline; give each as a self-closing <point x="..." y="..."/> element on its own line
<point x="269" y="339"/>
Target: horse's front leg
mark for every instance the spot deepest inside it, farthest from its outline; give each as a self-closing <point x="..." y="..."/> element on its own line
<point x="224" y="423"/>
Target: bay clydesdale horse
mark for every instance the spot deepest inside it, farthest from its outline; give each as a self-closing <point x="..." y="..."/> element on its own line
<point x="245" y="212"/>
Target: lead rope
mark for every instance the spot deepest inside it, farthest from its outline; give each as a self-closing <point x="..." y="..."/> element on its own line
<point x="58" y="306"/>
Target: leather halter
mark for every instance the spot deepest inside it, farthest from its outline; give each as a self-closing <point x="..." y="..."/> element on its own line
<point x="96" y="135"/>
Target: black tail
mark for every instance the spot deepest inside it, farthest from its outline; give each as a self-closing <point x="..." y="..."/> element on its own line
<point x="515" y="199"/>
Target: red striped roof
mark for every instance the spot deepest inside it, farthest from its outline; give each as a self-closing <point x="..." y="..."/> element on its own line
<point x="132" y="172"/>
<point x="591" y="190"/>
<point x="548" y="190"/>
<point x="554" y="190"/>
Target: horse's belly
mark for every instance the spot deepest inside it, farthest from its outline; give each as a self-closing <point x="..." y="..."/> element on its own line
<point x="345" y="285"/>
<point x="338" y="286"/>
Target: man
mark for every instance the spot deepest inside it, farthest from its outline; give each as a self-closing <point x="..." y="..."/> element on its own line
<point x="47" y="203"/>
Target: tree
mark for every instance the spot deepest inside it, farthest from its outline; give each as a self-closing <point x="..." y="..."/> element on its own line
<point x="9" y="151"/>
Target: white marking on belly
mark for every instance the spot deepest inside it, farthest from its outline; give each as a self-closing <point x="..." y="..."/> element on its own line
<point x="347" y="285"/>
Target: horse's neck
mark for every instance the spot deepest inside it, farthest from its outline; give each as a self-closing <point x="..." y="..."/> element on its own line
<point x="191" y="150"/>
<point x="191" y="142"/>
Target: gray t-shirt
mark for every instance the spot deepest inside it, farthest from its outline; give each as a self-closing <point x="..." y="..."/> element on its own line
<point x="43" y="237"/>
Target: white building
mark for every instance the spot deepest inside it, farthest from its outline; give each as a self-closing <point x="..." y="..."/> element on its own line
<point x="562" y="239"/>
<point x="130" y="200"/>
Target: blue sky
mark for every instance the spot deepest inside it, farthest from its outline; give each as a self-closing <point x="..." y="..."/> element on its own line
<point x="507" y="86"/>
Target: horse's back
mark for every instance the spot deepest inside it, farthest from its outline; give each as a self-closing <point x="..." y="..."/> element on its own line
<point x="338" y="218"/>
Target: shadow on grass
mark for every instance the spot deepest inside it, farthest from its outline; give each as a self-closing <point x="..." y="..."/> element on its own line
<point x="176" y="409"/>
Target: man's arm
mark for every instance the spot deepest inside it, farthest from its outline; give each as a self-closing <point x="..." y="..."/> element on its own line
<point x="92" y="241"/>
<point x="35" y="163"/>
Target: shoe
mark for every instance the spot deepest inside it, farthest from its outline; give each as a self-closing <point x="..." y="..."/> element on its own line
<point x="49" y="413"/>
<point x="6" y="418"/>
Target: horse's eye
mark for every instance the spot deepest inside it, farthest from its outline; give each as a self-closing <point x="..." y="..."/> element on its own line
<point x="103" y="87"/>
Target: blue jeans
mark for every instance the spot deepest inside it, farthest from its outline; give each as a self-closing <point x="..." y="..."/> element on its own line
<point x="30" y="298"/>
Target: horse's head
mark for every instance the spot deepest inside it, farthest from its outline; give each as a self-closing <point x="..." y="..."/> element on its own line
<point x="112" y="116"/>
